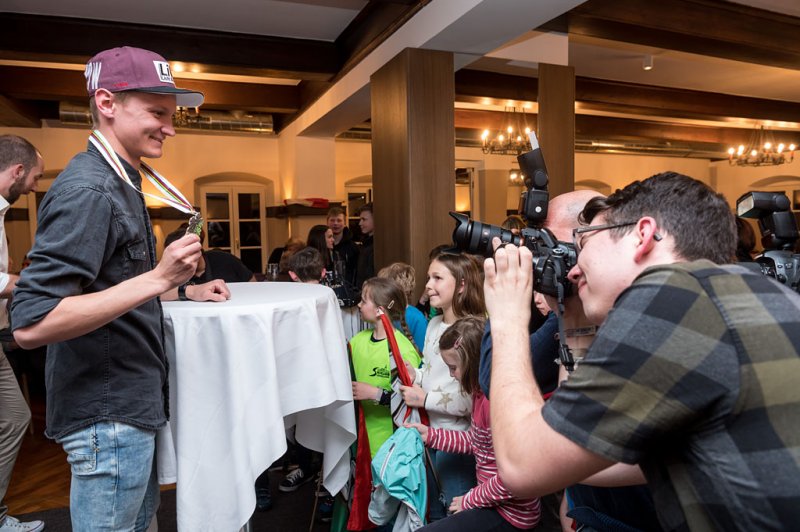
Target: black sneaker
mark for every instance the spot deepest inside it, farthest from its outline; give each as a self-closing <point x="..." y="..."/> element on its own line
<point x="294" y="480"/>
<point x="263" y="499"/>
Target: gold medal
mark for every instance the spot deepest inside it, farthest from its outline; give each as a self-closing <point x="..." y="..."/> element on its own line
<point x="195" y="224"/>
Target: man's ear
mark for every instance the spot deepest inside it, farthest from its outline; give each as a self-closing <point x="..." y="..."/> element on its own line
<point x="104" y="100"/>
<point x="18" y="171"/>
<point x="647" y="233"/>
<point x="324" y="273"/>
<point x="294" y="276"/>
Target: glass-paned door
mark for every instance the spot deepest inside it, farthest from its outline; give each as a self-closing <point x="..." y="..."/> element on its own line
<point x="236" y="222"/>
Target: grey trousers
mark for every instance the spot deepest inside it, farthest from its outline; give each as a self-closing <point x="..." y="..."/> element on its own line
<point x="14" y="418"/>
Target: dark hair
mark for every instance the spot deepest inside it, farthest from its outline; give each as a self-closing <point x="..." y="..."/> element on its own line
<point x="17" y="150"/>
<point x="316" y="239"/>
<point x="367" y="207"/>
<point x="465" y="270"/>
<point x="514" y="222"/>
<point x="292" y="247"/>
<point x="306" y="264"/>
<point x="464" y="336"/>
<point x="746" y="240"/>
<point x="388" y="295"/>
<point x="698" y="219"/>
<point x="438" y="250"/>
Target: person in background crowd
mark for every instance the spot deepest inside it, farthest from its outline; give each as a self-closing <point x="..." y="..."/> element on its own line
<point x="514" y="223"/>
<point x="366" y="255"/>
<point x="343" y="246"/>
<point x="627" y="506"/>
<point x="292" y="242"/>
<point x="92" y="293"/>
<point x="214" y="263"/>
<point x="667" y="381"/>
<point x="304" y="266"/>
<point x="489" y="505"/>
<point x="283" y="265"/>
<point x="746" y="242"/>
<point x="374" y="368"/>
<point x="21" y="167"/>
<point x="423" y="303"/>
<point x="454" y="287"/>
<point x="405" y="276"/>
<point x="320" y="237"/>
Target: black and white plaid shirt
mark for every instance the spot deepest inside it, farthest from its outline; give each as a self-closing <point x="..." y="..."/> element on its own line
<point x="695" y="375"/>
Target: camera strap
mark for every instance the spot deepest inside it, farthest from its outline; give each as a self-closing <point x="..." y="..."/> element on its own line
<point x="565" y="357"/>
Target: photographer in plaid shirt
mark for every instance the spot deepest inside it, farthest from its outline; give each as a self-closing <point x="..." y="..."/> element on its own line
<point x="692" y="375"/>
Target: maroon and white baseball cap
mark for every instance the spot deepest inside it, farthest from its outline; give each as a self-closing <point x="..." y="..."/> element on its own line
<point x="136" y="69"/>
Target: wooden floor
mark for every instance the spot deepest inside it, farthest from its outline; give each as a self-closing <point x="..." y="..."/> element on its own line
<point x="41" y="475"/>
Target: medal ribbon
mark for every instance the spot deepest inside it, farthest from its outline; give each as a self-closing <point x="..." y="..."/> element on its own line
<point x="171" y="195"/>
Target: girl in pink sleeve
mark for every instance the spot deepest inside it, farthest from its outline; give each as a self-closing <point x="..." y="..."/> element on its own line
<point x="488" y="506"/>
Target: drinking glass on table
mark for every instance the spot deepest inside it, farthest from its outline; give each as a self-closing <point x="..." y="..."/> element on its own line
<point x="272" y="271"/>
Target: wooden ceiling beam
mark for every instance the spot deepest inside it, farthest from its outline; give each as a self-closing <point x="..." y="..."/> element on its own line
<point x="219" y="52"/>
<point x="489" y="88"/>
<point x="588" y="127"/>
<point x="373" y="24"/>
<point x="46" y="84"/>
<point x="679" y="103"/>
<point x="14" y="113"/>
<point x="707" y="27"/>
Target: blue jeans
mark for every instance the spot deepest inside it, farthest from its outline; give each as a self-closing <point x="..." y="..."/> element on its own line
<point x="456" y="475"/>
<point x="114" y="484"/>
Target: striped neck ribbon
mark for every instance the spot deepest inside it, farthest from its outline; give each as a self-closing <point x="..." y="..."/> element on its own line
<point x="170" y="194"/>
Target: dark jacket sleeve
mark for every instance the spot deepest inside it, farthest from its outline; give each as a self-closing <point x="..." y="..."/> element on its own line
<point x="544" y="350"/>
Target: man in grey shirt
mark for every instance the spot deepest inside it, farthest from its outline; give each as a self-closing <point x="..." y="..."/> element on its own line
<point x="21" y="167"/>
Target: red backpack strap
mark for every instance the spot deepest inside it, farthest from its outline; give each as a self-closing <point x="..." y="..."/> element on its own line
<point x="402" y="371"/>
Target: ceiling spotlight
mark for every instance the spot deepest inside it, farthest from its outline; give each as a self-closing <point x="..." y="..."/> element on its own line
<point x="647" y="62"/>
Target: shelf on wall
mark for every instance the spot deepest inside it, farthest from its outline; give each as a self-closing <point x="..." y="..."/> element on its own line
<point x="290" y="211"/>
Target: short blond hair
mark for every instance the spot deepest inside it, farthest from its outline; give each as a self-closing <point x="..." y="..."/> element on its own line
<point x="403" y="274"/>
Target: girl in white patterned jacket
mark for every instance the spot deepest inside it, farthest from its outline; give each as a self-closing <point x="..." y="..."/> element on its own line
<point x="454" y="287"/>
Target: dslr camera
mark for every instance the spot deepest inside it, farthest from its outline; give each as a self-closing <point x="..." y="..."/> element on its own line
<point x="779" y="234"/>
<point x="552" y="259"/>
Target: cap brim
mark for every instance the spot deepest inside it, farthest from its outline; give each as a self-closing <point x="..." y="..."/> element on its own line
<point x="183" y="97"/>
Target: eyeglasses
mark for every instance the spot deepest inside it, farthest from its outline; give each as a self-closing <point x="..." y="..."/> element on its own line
<point x="578" y="241"/>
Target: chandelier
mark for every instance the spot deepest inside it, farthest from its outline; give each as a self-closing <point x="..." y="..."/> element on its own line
<point x="761" y="151"/>
<point x="513" y="140"/>
<point x="516" y="178"/>
<point x="188" y="116"/>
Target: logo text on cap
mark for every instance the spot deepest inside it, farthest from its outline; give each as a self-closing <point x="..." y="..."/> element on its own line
<point x="164" y="72"/>
<point x="92" y="74"/>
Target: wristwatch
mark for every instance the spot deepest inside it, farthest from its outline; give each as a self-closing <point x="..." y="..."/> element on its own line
<point x="182" y="292"/>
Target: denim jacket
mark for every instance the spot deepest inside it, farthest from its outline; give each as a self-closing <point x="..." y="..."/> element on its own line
<point x="94" y="233"/>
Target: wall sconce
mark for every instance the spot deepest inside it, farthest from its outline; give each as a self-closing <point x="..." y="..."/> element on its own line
<point x="647" y="62"/>
<point x="516" y="178"/>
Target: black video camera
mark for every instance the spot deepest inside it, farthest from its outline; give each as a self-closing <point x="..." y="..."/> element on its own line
<point x="778" y="234"/>
<point x="552" y="259"/>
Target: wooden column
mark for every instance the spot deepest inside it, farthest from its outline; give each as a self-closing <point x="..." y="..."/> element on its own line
<point x="556" y="121"/>
<point x="413" y="157"/>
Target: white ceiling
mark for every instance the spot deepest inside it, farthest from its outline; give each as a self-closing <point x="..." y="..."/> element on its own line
<point x="326" y="19"/>
<point x="304" y="19"/>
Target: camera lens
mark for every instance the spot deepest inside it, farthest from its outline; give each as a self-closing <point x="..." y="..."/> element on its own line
<point x="476" y="237"/>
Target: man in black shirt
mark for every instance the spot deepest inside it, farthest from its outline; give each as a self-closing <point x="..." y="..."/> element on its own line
<point x="92" y="293"/>
<point x="344" y="248"/>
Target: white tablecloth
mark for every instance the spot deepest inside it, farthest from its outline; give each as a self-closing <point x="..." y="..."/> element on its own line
<point x="241" y="372"/>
